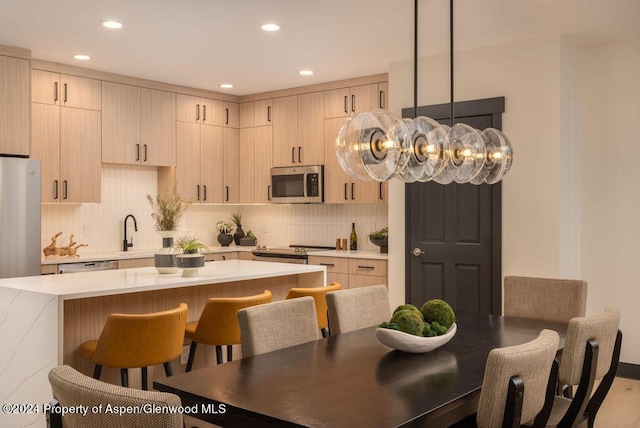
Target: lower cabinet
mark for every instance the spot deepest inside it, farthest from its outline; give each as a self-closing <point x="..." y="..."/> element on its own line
<point x="212" y="257"/>
<point x="352" y="272"/>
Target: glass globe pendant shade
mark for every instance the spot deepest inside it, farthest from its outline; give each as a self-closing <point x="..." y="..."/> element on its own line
<point x="373" y="145"/>
<point x="428" y="152"/>
<point x="468" y="152"/>
<point x="498" y="157"/>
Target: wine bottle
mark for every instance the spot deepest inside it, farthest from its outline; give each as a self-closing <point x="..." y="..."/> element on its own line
<point x="353" y="238"/>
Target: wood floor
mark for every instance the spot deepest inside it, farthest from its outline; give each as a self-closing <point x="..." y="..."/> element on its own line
<point x="621" y="408"/>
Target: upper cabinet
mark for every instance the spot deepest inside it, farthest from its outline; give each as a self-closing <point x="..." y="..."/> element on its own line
<point x="232" y="165"/>
<point x="298" y="130"/>
<point x="207" y="111"/>
<point x="255" y="167"/>
<point x="345" y="102"/>
<point x="138" y="125"/>
<point x="256" y="113"/>
<point x="64" y="90"/>
<point x="14" y="106"/>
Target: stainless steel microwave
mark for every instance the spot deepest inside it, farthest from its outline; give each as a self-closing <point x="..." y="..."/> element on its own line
<point x="297" y="184"/>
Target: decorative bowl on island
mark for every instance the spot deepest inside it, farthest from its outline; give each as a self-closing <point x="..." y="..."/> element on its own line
<point x="406" y="342"/>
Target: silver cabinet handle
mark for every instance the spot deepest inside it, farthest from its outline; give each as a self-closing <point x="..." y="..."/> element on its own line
<point x="417" y="252"/>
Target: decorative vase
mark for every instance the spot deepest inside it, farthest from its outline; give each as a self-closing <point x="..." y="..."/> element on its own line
<point x="247" y="242"/>
<point x="190" y="263"/>
<point x="225" y="239"/>
<point x="238" y="235"/>
<point x="165" y="260"/>
<point x="383" y="243"/>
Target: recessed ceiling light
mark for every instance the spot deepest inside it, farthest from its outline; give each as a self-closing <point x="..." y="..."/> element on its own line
<point x="112" y="24"/>
<point x="226" y="86"/>
<point x="270" y="27"/>
<point x="305" y="72"/>
<point x="82" y="57"/>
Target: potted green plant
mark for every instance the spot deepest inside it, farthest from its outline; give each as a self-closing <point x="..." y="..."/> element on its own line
<point x="249" y="240"/>
<point x="380" y="238"/>
<point x="189" y="257"/>
<point x="236" y="219"/>
<point x="225" y="232"/>
<point x="168" y="209"/>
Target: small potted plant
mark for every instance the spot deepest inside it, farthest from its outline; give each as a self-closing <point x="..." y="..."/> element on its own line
<point x="236" y="219"/>
<point x="168" y="210"/>
<point x="249" y="240"/>
<point x="189" y="257"/>
<point x="380" y="238"/>
<point x="225" y="232"/>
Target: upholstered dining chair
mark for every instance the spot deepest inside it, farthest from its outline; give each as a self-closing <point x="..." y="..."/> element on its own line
<point x="218" y="324"/>
<point x="319" y="297"/>
<point x="591" y="354"/>
<point x="137" y="340"/>
<point x="73" y="389"/>
<point x="357" y="308"/>
<point x="518" y="381"/>
<point x="278" y="325"/>
<point x="544" y="298"/>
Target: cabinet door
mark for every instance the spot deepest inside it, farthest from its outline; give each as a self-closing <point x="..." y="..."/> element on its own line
<point x="211" y="112"/>
<point x="121" y="124"/>
<point x="337" y="183"/>
<point x="364" y="192"/>
<point x="188" y="160"/>
<point x="158" y="127"/>
<point x="263" y="156"/>
<point x="246" y="179"/>
<point x="45" y="87"/>
<point x="211" y="165"/>
<point x="337" y="103"/>
<point x="14" y="106"/>
<point x="230" y="115"/>
<point x="311" y="128"/>
<point x="80" y="92"/>
<point x="285" y="132"/>
<point x="231" y="165"/>
<point x="247" y="115"/>
<point x="80" y="163"/>
<point x="364" y="98"/>
<point x="263" y="112"/>
<point x="188" y="109"/>
<point x="45" y="145"/>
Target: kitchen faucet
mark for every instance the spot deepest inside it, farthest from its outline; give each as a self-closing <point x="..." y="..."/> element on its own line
<point x="126" y="244"/>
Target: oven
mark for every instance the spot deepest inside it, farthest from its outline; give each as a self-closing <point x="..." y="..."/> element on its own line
<point x="292" y="254"/>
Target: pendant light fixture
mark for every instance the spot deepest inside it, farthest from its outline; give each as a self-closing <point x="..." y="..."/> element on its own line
<point x="377" y="145"/>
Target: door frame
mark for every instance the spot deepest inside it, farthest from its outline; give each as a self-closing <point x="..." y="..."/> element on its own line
<point x="440" y="112"/>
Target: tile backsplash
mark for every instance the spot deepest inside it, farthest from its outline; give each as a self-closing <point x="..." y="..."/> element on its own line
<point x="124" y="190"/>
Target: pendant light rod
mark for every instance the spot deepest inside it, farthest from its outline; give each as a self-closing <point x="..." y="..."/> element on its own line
<point x="415" y="58"/>
<point x="452" y="108"/>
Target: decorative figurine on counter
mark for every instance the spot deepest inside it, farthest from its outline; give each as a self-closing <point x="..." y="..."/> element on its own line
<point x="69" y="250"/>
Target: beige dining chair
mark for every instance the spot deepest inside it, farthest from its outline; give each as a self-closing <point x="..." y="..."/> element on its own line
<point x="319" y="297"/>
<point x="73" y="389"/>
<point x="518" y="381"/>
<point x="544" y="298"/>
<point x="590" y="356"/>
<point x="278" y="325"/>
<point x="357" y="308"/>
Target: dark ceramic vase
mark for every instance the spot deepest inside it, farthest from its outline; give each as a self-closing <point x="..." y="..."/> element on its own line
<point x="238" y="235"/>
<point x="224" y="239"/>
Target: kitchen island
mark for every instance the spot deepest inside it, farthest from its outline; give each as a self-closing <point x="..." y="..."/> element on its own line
<point x="43" y="319"/>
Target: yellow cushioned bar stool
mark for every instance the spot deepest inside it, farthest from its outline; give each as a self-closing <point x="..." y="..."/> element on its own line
<point x="218" y="324"/>
<point x="137" y="340"/>
<point x="319" y="298"/>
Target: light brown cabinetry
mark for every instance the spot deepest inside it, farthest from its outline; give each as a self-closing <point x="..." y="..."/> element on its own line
<point x="297" y="130"/>
<point x="353" y="272"/>
<point x="14" y="106"/>
<point x="64" y="90"/>
<point x="67" y="141"/>
<point x="206" y="111"/>
<point x="231" y="155"/>
<point x="212" y="257"/>
<point x="339" y="187"/>
<point x="345" y="102"/>
<point x="256" y="113"/>
<point x="135" y="263"/>
<point x="138" y="125"/>
<point x="255" y="167"/>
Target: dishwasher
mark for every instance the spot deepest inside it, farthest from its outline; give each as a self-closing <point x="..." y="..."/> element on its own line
<point x="87" y="266"/>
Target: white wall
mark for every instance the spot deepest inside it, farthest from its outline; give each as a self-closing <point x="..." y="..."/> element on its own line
<point x="124" y="190"/>
<point x="567" y="212"/>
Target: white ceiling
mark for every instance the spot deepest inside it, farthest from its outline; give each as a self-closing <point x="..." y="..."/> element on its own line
<point x="202" y="43"/>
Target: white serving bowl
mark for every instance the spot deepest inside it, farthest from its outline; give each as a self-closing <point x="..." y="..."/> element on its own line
<point x="409" y="343"/>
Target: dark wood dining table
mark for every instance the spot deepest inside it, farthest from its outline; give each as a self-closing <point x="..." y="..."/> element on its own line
<point x="353" y="380"/>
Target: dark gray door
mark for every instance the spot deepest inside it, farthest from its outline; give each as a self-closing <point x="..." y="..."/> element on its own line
<point x="455" y="230"/>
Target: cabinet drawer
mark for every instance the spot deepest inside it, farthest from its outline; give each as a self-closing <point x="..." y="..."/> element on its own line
<point x="333" y="264"/>
<point x="368" y="267"/>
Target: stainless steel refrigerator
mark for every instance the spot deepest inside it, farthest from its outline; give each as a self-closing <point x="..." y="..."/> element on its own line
<point x="19" y="217"/>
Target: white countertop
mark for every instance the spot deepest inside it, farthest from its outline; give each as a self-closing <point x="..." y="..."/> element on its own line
<point x="131" y="254"/>
<point x="108" y="282"/>
<point x="358" y="254"/>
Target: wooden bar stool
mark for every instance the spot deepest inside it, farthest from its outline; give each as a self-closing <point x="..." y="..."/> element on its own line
<point x="137" y="340"/>
<point x="218" y="324"/>
<point x="319" y="298"/>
